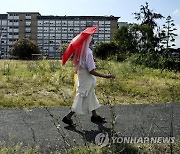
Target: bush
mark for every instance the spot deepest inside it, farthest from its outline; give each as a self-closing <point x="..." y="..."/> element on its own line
<point x="154" y="60"/>
<point x="63" y="47"/>
<point x="24" y="48"/>
<point x="106" y="50"/>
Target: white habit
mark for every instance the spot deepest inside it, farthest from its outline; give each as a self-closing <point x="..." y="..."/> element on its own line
<point x="85" y="100"/>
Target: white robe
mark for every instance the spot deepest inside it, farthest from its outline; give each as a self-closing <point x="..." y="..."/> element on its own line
<point x="85" y="100"/>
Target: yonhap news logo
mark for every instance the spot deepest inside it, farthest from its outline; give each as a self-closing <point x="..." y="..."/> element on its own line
<point x="103" y="139"/>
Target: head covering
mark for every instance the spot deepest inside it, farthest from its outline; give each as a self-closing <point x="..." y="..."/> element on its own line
<point x="77" y="42"/>
<point x="82" y="52"/>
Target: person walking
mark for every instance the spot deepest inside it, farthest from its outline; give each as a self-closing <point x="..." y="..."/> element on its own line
<point x="85" y="100"/>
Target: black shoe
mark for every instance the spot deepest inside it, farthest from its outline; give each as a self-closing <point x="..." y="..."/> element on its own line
<point x="67" y="121"/>
<point x="97" y="119"/>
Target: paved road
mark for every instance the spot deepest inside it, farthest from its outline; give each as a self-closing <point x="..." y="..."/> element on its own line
<point x="41" y="126"/>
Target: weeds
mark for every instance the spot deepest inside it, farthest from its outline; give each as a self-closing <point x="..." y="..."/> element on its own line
<point x="52" y="84"/>
<point x="127" y="149"/>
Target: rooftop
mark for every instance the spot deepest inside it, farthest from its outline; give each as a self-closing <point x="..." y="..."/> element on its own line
<point x="111" y="17"/>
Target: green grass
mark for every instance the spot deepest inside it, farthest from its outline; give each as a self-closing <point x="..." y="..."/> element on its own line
<point x="128" y="149"/>
<point x="93" y="149"/>
<point x="48" y="83"/>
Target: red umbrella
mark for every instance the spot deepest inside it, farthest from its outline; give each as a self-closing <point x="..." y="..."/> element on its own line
<point x="77" y="42"/>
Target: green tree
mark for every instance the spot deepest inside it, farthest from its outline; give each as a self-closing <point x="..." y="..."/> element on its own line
<point x="167" y="39"/>
<point x="24" y="48"/>
<point x="148" y="18"/>
<point x="126" y="39"/>
<point x="145" y="38"/>
<point x="105" y="50"/>
<point x="168" y="35"/>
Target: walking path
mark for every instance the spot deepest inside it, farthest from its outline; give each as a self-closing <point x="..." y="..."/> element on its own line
<point x="43" y="126"/>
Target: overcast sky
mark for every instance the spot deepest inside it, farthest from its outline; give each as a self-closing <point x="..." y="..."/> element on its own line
<point x="119" y="8"/>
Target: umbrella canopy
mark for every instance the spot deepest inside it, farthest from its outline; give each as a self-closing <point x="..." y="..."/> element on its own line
<point x="77" y="42"/>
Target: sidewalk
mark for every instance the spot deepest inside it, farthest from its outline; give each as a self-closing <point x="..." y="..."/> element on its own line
<point x="41" y="126"/>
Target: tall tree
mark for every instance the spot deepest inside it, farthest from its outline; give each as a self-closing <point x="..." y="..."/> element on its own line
<point x="148" y="17"/>
<point x="168" y="35"/>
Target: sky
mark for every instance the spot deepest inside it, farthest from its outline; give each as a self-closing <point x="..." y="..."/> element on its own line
<point x="118" y="8"/>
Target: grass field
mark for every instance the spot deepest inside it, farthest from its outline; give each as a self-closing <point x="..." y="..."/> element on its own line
<point x="48" y="83"/>
<point x="94" y="149"/>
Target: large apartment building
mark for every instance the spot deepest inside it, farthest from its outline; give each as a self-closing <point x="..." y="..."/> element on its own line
<point x="49" y="32"/>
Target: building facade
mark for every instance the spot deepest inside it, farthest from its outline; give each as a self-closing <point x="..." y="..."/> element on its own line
<point x="120" y="24"/>
<point x="49" y="32"/>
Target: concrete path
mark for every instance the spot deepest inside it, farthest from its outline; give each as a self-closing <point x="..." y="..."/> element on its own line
<point x="43" y="127"/>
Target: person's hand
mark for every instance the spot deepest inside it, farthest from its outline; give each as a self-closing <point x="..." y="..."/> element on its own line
<point x="110" y="76"/>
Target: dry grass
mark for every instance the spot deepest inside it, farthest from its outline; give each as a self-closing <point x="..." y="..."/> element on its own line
<point x="48" y="83"/>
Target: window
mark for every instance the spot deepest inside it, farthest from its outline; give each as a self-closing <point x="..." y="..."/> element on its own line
<point x="52" y="36"/>
<point x="76" y="29"/>
<point x="95" y="35"/>
<point x="64" y="29"/>
<point x="101" y="23"/>
<point x="28" y="16"/>
<point x="64" y="23"/>
<point x="40" y="29"/>
<point x="4" y="22"/>
<point x="107" y="22"/>
<point x="58" y="36"/>
<point x="95" y="22"/>
<point x="70" y="36"/>
<point x="46" y="36"/>
<point x="64" y="41"/>
<point x="64" y="36"/>
<point x="52" y="23"/>
<point x="28" y="23"/>
<point x="51" y="42"/>
<point x="101" y="30"/>
<point x="40" y="23"/>
<point x="107" y="36"/>
<point x="52" y="29"/>
<point x="89" y="23"/>
<point x="76" y="23"/>
<point x="13" y="16"/>
<point x="107" y="30"/>
<point x="46" y="41"/>
<point x="46" y="29"/>
<point x="46" y="23"/>
<point x="70" y="29"/>
<point x="16" y="17"/>
<point x="16" y="30"/>
<point x="83" y="23"/>
<point x="70" y="23"/>
<point x="58" y="23"/>
<point x="58" y="41"/>
<point x="28" y="29"/>
<point x="40" y="36"/>
<point x="27" y="35"/>
<point x="101" y="36"/>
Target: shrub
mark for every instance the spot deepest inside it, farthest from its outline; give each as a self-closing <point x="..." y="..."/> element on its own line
<point x="106" y="50"/>
<point x="63" y="47"/>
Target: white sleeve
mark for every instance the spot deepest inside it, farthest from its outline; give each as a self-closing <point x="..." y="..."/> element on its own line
<point x="90" y="64"/>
